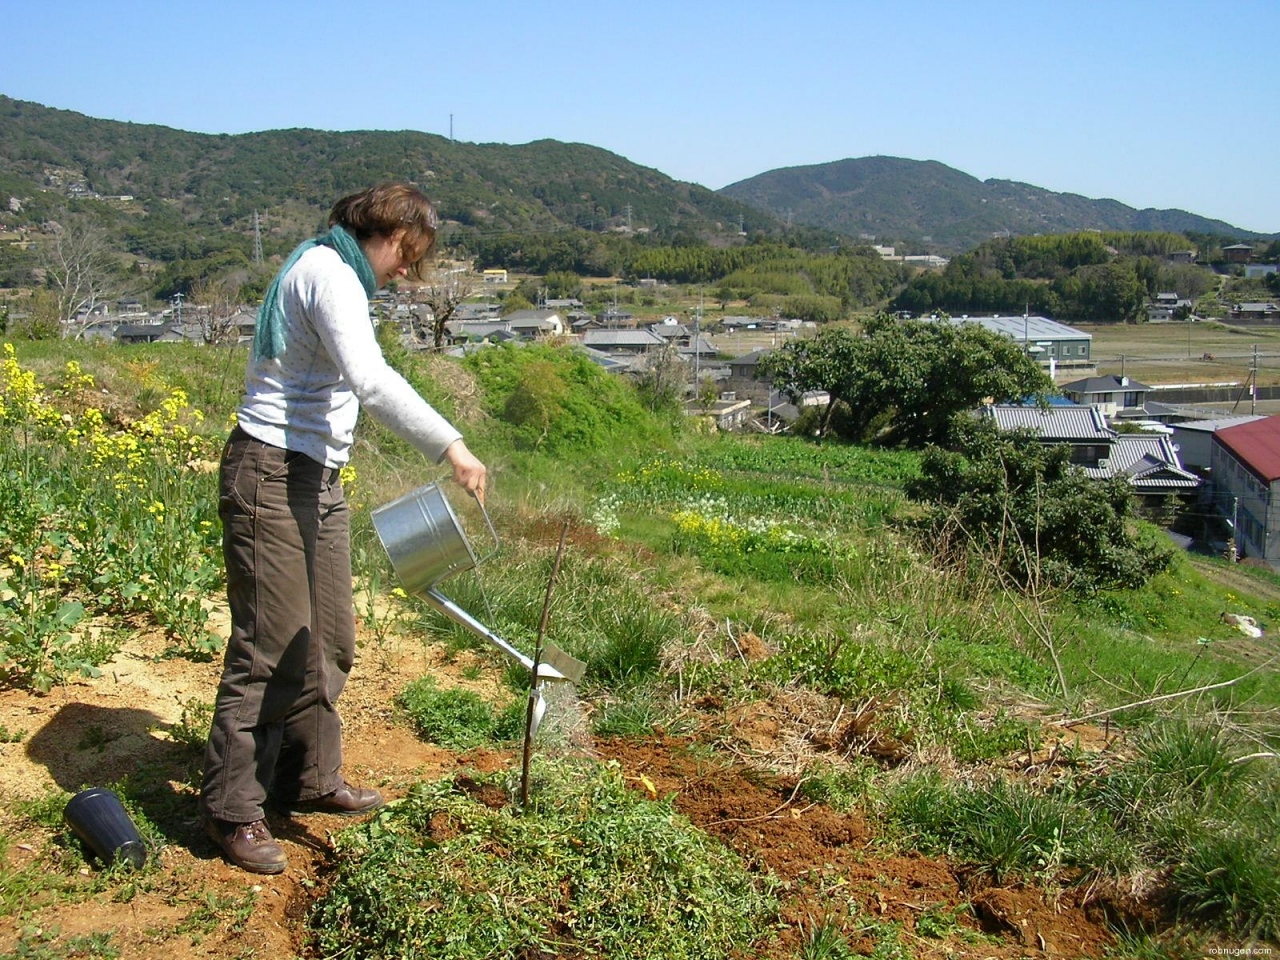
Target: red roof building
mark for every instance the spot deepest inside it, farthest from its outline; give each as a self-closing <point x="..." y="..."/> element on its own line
<point x="1244" y="464"/>
<point x="1256" y="445"/>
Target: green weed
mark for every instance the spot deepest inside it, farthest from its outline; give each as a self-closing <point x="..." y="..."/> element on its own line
<point x="844" y="790"/>
<point x="213" y="910"/>
<point x="641" y="712"/>
<point x="942" y="922"/>
<point x="35" y="943"/>
<point x="1007" y="829"/>
<point x="590" y="868"/>
<point x="456" y="718"/>
<point x="192" y="728"/>
<point x="824" y="941"/>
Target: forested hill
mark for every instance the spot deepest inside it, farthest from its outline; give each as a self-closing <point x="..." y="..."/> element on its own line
<point x="909" y="200"/>
<point x="297" y="174"/>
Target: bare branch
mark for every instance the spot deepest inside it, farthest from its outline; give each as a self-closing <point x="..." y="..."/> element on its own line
<point x="81" y="268"/>
<point x="220" y="298"/>
<point x="447" y="286"/>
<point x="1170" y="696"/>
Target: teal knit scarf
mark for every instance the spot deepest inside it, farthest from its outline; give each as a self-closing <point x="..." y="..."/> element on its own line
<point x="268" y="335"/>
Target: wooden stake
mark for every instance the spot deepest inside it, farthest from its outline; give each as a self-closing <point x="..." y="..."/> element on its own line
<point x="535" y="682"/>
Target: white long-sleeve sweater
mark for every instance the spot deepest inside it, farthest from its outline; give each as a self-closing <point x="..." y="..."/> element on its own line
<point x="309" y="398"/>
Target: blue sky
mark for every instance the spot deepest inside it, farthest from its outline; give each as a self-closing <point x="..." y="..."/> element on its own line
<point x="1154" y="104"/>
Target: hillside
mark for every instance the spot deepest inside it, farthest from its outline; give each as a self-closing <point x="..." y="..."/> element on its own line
<point x="211" y="179"/>
<point x="907" y="201"/>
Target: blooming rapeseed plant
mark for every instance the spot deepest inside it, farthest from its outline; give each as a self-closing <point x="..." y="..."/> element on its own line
<point x="128" y="501"/>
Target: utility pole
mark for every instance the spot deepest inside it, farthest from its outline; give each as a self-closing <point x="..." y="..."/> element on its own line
<point x="697" y="343"/>
<point x="177" y="306"/>
<point x="1233" y="542"/>
<point x="451" y="128"/>
<point x="1253" y="382"/>
<point x="257" y="238"/>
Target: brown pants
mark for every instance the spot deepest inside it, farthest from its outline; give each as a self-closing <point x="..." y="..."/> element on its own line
<point x="286" y="542"/>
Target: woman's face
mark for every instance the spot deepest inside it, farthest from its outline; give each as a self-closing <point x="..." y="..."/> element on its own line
<point x="388" y="257"/>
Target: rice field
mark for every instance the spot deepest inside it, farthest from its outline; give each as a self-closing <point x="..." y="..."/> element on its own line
<point x="1163" y="353"/>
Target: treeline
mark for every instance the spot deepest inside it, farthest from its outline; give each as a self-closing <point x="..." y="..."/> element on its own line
<point x="778" y="277"/>
<point x="1083" y="277"/>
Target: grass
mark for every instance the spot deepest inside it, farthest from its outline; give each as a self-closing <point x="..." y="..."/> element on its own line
<point x="1187" y="807"/>
<point x="640" y="712"/>
<point x="590" y="868"/>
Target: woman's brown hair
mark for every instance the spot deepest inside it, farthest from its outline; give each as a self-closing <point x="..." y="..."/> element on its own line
<point x="382" y="210"/>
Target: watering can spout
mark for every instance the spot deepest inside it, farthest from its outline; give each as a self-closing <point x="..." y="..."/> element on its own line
<point x="554" y="664"/>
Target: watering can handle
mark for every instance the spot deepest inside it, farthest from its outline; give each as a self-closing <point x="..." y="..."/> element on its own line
<point x="492" y="532"/>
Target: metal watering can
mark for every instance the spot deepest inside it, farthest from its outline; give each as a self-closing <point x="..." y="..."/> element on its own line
<point x="426" y="544"/>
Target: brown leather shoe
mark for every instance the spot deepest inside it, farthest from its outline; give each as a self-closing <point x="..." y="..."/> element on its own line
<point x="346" y="801"/>
<point x="249" y="846"/>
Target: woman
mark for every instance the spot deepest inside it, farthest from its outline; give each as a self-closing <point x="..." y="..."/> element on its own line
<point x="276" y="732"/>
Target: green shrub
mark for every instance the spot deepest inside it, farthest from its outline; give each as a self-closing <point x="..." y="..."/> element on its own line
<point x="1039" y="518"/>
<point x="559" y="401"/>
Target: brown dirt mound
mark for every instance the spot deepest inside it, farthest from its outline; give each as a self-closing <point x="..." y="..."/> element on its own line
<point x="834" y="873"/>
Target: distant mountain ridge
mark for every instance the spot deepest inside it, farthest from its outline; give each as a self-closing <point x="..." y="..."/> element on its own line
<point x="895" y="199"/>
<point x="540" y="186"/>
<point x="182" y="185"/>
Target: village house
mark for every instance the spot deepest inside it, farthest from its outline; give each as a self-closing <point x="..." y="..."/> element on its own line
<point x="1244" y="473"/>
<point x="481" y="310"/>
<point x="1194" y="438"/>
<point x="731" y="324"/>
<point x="147" y="332"/>
<point x="728" y="411"/>
<point x="1163" y="306"/>
<point x="1255" y="312"/>
<point x="672" y="331"/>
<point x="1150" y="463"/>
<point x="630" y="342"/>
<point x="615" y="318"/>
<point x="472" y="331"/>
<point x="1113" y="396"/>
<point x="697" y="349"/>
<point x="743" y="378"/>
<point x="1050" y="343"/>
<point x="534" y="324"/>
<point x="1147" y="461"/>
<point x="1084" y="429"/>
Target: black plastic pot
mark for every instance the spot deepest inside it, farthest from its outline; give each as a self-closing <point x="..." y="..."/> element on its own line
<point x="101" y="821"/>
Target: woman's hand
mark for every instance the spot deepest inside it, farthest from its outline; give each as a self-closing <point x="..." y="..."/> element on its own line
<point x="468" y="471"/>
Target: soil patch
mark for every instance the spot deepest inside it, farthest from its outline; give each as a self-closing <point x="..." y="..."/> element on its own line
<point x="834" y="873"/>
